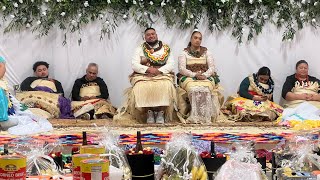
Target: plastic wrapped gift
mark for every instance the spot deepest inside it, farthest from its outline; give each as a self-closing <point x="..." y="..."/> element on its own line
<point x="297" y="158"/>
<point x="301" y="147"/>
<point x="180" y="160"/>
<point x="38" y="160"/>
<point x="234" y="169"/>
<point x="119" y="165"/>
<point x="242" y="165"/>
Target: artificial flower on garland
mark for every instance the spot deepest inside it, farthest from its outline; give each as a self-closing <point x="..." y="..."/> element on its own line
<point x="243" y="17"/>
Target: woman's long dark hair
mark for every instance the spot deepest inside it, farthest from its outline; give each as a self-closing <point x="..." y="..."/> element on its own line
<point x="264" y="71"/>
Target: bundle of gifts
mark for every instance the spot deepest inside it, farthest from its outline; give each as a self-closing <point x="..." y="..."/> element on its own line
<point x="298" y="158"/>
<point x="180" y="160"/>
<point x="242" y="164"/>
<point x="119" y="167"/>
<point x="41" y="158"/>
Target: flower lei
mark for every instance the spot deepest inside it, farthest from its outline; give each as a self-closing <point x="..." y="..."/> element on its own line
<point x="148" y="51"/>
<point x="270" y="83"/>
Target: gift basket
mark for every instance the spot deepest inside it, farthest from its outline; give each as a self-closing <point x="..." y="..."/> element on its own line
<point x="42" y="159"/>
<point x="242" y="164"/>
<point x="119" y="166"/>
<point x="298" y="158"/>
<point x="180" y="160"/>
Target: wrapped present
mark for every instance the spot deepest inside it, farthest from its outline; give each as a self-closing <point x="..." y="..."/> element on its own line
<point x="181" y="161"/>
<point x="119" y="165"/>
<point x="242" y="165"/>
<point x="39" y="161"/>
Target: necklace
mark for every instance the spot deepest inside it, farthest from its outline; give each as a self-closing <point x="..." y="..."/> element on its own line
<point x="157" y="58"/>
<point x="154" y="48"/>
<point x="196" y="53"/>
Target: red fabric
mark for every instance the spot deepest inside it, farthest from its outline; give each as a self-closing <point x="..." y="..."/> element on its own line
<point x="253" y="93"/>
<point x="300" y="78"/>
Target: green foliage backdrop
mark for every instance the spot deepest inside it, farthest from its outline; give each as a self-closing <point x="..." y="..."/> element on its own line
<point x="71" y="15"/>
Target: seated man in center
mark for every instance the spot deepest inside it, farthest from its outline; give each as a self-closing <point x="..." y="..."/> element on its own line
<point x="90" y="96"/>
<point x="152" y="96"/>
<point x="43" y="95"/>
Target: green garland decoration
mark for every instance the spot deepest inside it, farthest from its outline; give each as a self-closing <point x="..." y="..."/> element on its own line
<point x="242" y="17"/>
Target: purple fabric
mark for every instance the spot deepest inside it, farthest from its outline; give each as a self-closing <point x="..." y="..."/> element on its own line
<point x="43" y="88"/>
<point x="65" y="108"/>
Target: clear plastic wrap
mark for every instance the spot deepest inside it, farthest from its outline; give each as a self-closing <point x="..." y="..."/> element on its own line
<point x="38" y="160"/>
<point x="297" y="159"/>
<point x="119" y="166"/>
<point x="301" y="148"/>
<point x="242" y="164"/>
<point x="180" y="160"/>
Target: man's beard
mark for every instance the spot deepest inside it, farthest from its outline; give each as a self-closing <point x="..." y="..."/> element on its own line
<point x="152" y="43"/>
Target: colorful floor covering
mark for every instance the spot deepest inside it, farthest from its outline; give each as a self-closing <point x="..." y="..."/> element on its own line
<point x="149" y="138"/>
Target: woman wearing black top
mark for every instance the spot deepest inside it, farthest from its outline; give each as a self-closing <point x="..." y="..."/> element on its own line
<point x="301" y="87"/>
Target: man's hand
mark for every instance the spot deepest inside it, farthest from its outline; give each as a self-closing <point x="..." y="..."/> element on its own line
<point x="200" y="76"/>
<point x="151" y="71"/>
<point x="259" y="98"/>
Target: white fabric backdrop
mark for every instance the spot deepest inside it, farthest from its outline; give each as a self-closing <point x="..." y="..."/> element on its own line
<point x="233" y="61"/>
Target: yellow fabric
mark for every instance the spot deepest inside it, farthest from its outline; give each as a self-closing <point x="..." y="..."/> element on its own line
<point x="152" y="91"/>
<point x="243" y="109"/>
<point x="41" y="113"/>
<point x="45" y="83"/>
<point x="249" y="110"/>
<point x="39" y="99"/>
<point x="309" y="88"/>
<point x="201" y="60"/>
<point x="90" y="91"/>
<point x="100" y="106"/>
<point x="128" y="112"/>
<point x="189" y="83"/>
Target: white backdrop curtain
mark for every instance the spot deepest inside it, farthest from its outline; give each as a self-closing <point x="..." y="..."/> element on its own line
<point x="233" y="61"/>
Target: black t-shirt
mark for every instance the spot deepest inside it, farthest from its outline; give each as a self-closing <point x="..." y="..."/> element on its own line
<point x="82" y="81"/>
<point x="291" y="81"/>
<point x="26" y="84"/>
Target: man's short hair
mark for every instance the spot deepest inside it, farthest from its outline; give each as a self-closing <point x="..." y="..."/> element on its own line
<point x="149" y="28"/>
<point x="39" y="63"/>
<point x="93" y="64"/>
